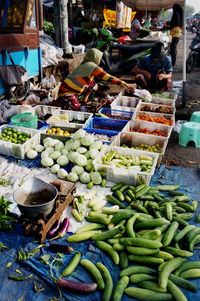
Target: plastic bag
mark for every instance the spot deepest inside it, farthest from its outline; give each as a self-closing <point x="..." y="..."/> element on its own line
<point x="178" y="125"/>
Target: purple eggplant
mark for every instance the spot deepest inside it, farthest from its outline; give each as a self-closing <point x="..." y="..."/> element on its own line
<point x="53" y="231"/>
<point x="58" y="248"/>
<point x="63" y="230"/>
<point x="76" y="287"/>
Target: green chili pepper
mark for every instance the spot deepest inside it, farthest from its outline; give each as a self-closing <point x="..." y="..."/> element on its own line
<point x="20" y="278"/>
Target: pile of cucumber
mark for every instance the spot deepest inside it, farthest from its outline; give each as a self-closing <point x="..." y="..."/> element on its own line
<point x="146" y="226"/>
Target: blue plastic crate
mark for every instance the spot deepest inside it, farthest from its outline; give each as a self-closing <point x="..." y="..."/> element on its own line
<point x="124" y="115"/>
<point x="106" y="124"/>
<point x="41" y="125"/>
<point x="110" y="134"/>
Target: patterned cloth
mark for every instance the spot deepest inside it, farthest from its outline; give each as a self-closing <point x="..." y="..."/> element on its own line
<point x="76" y="85"/>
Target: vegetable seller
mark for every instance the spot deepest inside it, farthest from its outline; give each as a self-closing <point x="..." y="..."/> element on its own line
<point x="154" y="71"/>
<point x="82" y="80"/>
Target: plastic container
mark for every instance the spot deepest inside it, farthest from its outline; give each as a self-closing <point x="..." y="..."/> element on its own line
<point x="112" y="125"/>
<point x="116" y="114"/>
<point x="19" y="150"/>
<point x="127" y="176"/>
<point x="151" y="107"/>
<point x="151" y="126"/>
<point x="170" y="95"/>
<point x="62" y="138"/>
<point x="125" y="103"/>
<point x="27" y="120"/>
<point x="136" y="139"/>
<point x="166" y="116"/>
<point x="110" y="134"/>
<point x="164" y="101"/>
<point x="83" y="117"/>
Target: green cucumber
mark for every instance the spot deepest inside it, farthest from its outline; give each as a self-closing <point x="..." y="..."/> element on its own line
<point x="146" y="294"/>
<point x="188" y="285"/>
<point x="119" y="195"/>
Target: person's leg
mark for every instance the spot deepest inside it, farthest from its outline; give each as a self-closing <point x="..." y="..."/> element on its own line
<point x="173" y="50"/>
<point x="141" y="81"/>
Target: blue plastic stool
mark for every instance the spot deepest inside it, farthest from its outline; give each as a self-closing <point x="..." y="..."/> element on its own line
<point x="195" y="116"/>
<point x="190" y="131"/>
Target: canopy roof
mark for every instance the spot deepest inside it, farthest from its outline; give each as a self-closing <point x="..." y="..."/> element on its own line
<point x="151" y="5"/>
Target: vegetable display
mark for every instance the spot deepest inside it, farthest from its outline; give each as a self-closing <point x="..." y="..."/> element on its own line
<point x="136" y="163"/>
<point x="147" y="131"/>
<point x="148" y="229"/>
<point x="148" y="117"/>
<point x="15" y="136"/>
<point x="58" y="131"/>
<point x="161" y="109"/>
<point x="157" y="148"/>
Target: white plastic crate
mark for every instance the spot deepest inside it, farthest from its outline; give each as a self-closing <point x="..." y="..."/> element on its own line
<point x="41" y="111"/>
<point x="166" y="116"/>
<point x="152" y="107"/>
<point x="125" y="103"/>
<point x="164" y="101"/>
<point x="170" y="95"/>
<point x="151" y="126"/>
<point x="136" y="139"/>
<point x="19" y="150"/>
<point x="128" y="176"/>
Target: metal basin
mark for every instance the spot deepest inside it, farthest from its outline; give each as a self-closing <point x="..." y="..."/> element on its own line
<point x="35" y="197"/>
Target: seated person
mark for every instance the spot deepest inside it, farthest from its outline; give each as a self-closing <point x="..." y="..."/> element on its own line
<point x="154" y="71"/>
<point x="81" y="81"/>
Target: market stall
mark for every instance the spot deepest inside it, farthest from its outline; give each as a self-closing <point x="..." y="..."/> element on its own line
<point x="114" y="208"/>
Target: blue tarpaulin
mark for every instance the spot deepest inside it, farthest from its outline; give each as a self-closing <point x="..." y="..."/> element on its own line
<point x="11" y="290"/>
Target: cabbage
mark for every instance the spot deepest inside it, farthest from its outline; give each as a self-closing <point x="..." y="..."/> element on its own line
<point x="89" y="167"/>
<point x="55" y="155"/>
<point x="80" y="160"/>
<point x="62" y="160"/>
<point x="59" y="145"/>
<point x="68" y="144"/>
<point x="31" y="154"/>
<point x="85" y="177"/>
<point x="55" y="168"/>
<point x="77" y="169"/>
<point x="93" y="153"/>
<point x="44" y="154"/>
<point x="72" y="177"/>
<point x="79" y="134"/>
<point x="49" y="149"/>
<point x="64" y="151"/>
<point x="39" y="148"/>
<point x="72" y="156"/>
<point x="87" y="155"/>
<point x="62" y="174"/>
<point x="76" y="144"/>
<point x="81" y="150"/>
<point x="97" y="145"/>
<point x="50" y="142"/>
<point x="96" y="178"/>
<point x="87" y="140"/>
<point x="47" y="162"/>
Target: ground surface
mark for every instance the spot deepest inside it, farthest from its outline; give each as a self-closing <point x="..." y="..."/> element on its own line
<point x="175" y="154"/>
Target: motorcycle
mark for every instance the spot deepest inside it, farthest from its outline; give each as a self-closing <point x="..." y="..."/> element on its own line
<point x="193" y="59"/>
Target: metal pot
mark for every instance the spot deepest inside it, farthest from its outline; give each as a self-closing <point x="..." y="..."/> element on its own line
<point x="35" y="197"/>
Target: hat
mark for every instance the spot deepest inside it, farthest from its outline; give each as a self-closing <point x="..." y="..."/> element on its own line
<point x="158" y="52"/>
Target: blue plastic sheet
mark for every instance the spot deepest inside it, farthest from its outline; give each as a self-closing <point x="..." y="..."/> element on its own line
<point x="24" y="290"/>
